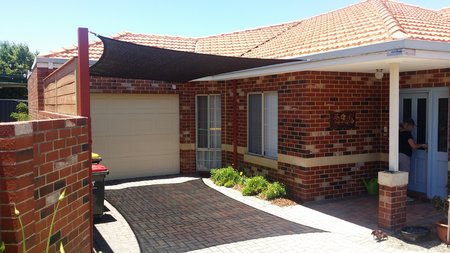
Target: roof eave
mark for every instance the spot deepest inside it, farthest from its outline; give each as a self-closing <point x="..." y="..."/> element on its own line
<point x="48" y="62"/>
<point x="374" y="51"/>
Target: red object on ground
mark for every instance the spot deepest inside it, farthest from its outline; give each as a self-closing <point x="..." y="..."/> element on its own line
<point x="98" y="168"/>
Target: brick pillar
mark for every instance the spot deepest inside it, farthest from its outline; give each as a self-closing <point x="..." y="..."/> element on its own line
<point x="392" y="199"/>
<point x="16" y="184"/>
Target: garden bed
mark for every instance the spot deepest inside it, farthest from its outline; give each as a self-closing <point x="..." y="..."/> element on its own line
<point x="258" y="186"/>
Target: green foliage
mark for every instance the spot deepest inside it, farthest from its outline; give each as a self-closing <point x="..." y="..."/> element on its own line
<point x="441" y="204"/>
<point x="274" y="191"/>
<point x="254" y="186"/>
<point x="21" y="113"/>
<point x="15" y="59"/>
<point x="52" y="224"/>
<point x="2" y="247"/>
<point x="227" y="177"/>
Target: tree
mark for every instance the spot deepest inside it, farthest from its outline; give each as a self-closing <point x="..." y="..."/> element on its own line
<point x="15" y="61"/>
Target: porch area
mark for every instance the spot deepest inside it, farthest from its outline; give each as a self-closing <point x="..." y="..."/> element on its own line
<point x="363" y="211"/>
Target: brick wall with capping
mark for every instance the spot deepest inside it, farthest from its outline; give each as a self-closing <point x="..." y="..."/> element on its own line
<point x="38" y="159"/>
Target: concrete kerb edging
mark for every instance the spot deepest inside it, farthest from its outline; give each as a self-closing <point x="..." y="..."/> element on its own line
<point x="118" y="234"/>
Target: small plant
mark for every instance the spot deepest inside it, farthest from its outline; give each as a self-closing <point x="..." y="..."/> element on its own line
<point x="441" y="204"/>
<point x="61" y="197"/>
<point x="17" y="213"/>
<point x="227" y="177"/>
<point x="274" y="191"/>
<point x="21" y="113"/>
<point x="254" y="186"/>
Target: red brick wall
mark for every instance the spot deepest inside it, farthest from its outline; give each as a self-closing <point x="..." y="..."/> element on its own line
<point x="305" y="101"/>
<point x="38" y="159"/>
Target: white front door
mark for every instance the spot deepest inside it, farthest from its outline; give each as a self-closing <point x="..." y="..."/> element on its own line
<point x="415" y="106"/>
<point x="208" y="122"/>
<point x="429" y="167"/>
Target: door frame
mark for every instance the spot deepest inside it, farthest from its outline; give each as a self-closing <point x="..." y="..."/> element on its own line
<point x="196" y="126"/>
<point x="432" y="95"/>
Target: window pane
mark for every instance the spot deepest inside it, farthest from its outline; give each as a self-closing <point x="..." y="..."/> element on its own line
<point x="271" y="125"/>
<point x="407" y="106"/>
<point x="214" y="122"/>
<point x="254" y="124"/>
<point x="202" y="121"/>
<point x="421" y="120"/>
<point x="443" y="125"/>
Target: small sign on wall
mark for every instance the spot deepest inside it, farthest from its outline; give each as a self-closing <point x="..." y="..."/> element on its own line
<point x="342" y="120"/>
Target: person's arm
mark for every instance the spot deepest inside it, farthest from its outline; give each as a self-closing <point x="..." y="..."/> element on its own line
<point x="414" y="145"/>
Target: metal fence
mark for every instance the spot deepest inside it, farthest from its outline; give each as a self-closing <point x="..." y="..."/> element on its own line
<point x="7" y="106"/>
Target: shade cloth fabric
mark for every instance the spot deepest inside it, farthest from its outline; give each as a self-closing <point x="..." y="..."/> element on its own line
<point x="128" y="60"/>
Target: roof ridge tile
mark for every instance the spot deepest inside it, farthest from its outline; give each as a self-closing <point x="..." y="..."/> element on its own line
<point x="273" y="37"/>
<point x="396" y="31"/>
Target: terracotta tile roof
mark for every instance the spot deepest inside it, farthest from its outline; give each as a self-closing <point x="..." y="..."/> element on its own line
<point x="419" y="23"/>
<point x="364" y="23"/>
<point x="445" y="12"/>
<point x="238" y="43"/>
<point x="96" y="47"/>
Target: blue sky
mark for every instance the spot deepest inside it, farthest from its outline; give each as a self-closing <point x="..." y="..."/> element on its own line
<point x="49" y="25"/>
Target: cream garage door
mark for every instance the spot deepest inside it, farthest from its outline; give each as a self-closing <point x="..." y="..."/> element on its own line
<point x="136" y="135"/>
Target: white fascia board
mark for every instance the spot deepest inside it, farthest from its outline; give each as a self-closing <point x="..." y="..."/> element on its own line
<point x="375" y="52"/>
<point x="380" y="47"/>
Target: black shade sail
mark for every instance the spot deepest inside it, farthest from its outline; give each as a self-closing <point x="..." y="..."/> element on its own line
<point x="128" y="60"/>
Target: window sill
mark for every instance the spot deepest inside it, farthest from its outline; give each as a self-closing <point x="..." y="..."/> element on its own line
<point x="261" y="160"/>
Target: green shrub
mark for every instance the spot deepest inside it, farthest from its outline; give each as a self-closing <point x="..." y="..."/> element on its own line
<point x="274" y="191"/>
<point x="227" y="177"/>
<point x="21" y="113"/>
<point x="254" y="186"/>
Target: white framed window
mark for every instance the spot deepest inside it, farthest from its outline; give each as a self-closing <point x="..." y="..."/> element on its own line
<point x="262" y="124"/>
<point x="208" y="128"/>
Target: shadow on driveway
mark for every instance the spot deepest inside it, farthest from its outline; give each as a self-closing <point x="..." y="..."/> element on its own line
<point x="191" y="216"/>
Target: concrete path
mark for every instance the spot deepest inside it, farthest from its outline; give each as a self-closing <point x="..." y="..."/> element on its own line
<point x="189" y="214"/>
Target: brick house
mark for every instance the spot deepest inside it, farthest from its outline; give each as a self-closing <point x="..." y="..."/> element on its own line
<point x="320" y="125"/>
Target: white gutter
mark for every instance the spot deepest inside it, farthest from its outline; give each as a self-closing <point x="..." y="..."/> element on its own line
<point x="377" y="52"/>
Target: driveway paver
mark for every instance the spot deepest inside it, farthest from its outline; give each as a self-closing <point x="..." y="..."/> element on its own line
<point x="191" y="216"/>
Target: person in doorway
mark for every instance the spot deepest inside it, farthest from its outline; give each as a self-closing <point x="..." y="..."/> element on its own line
<point x="407" y="144"/>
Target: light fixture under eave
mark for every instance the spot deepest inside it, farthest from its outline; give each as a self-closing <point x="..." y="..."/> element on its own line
<point x="379" y="74"/>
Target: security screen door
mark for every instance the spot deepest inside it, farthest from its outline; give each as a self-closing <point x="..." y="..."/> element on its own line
<point x="209" y="155"/>
<point x="429" y="167"/>
<point x="415" y="106"/>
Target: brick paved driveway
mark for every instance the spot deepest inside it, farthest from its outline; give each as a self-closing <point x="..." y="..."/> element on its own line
<point x="192" y="216"/>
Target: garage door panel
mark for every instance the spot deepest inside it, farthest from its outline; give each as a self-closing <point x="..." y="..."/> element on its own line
<point x="140" y="104"/>
<point x="138" y="124"/>
<point x="136" y="135"/>
<point x="124" y="169"/>
<point x="156" y="145"/>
